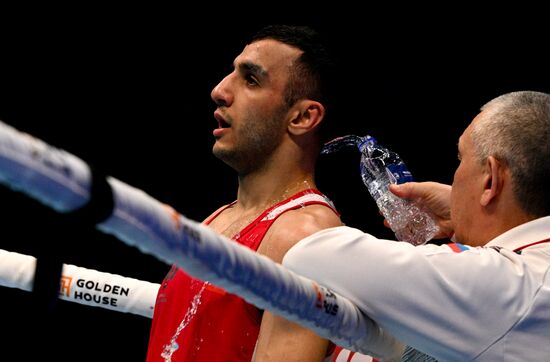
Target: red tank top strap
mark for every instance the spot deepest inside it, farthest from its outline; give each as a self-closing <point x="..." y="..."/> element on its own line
<point x="217" y="213"/>
<point x="301" y="199"/>
<point x="298" y="200"/>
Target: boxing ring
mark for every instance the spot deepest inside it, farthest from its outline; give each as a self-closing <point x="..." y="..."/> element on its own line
<point x="83" y="286"/>
<point x="67" y="184"/>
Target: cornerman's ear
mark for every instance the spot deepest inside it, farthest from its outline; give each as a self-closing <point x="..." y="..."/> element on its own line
<point x="493" y="180"/>
<point x="306" y="116"/>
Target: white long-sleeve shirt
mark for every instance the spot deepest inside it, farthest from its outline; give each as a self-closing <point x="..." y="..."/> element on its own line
<point x="455" y="303"/>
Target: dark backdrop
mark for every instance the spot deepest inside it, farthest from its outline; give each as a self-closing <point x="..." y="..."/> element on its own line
<point x="129" y="93"/>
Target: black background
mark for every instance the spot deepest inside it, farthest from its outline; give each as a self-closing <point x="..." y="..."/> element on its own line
<point x="128" y="90"/>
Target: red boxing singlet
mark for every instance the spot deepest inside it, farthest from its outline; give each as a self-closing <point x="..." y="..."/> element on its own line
<point x="197" y="321"/>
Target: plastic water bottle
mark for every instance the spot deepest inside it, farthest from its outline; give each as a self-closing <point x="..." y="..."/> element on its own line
<point x="381" y="167"/>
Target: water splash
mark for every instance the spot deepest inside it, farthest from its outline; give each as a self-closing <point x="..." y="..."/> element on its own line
<point x="381" y="167"/>
<point x="173" y="346"/>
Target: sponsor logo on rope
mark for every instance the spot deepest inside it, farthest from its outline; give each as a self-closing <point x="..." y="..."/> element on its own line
<point x="92" y="291"/>
<point x="325" y="299"/>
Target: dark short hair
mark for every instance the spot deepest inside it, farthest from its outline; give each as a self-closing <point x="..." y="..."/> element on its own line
<point x="313" y="76"/>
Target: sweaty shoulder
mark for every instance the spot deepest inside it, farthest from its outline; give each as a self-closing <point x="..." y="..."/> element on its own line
<point x="294" y="225"/>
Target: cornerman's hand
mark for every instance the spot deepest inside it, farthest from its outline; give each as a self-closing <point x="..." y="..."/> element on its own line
<point x="433" y="197"/>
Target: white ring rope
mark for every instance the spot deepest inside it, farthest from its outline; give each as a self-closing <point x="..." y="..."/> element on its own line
<point x="83" y="286"/>
<point x="62" y="181"/>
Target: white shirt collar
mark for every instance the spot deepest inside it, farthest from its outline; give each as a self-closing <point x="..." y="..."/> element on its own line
<point x="530" y="232"/>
